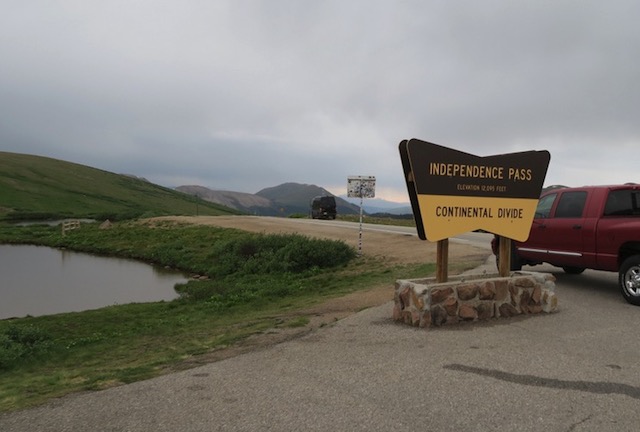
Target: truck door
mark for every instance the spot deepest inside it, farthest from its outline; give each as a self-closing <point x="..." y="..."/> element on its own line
<point x="615" y="227"/>
<point x="535" y="248"/>
<point x="563" y="232"/>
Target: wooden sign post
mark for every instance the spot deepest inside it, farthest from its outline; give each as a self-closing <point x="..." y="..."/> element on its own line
<point x="442" y="261"/>
<point x="504" y="256"/>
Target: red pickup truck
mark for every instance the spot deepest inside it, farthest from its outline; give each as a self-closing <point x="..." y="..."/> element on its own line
<point x="595" y="227"/>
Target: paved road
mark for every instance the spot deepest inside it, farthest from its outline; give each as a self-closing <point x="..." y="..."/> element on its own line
<point x="476" y="239"/>
<point x="574" y="370"/>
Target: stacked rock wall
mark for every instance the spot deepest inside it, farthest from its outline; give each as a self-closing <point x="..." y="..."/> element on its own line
<point x="423" y="302"/>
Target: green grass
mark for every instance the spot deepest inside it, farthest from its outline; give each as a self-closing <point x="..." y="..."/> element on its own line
<point x="34" y="187"/>
<point x="257" y="283"/>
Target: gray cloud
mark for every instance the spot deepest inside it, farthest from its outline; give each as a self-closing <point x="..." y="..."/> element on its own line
<point x="245" y="95"/>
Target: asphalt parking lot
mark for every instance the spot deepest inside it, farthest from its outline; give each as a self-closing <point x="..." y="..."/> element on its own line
<point x="573" y="370"/>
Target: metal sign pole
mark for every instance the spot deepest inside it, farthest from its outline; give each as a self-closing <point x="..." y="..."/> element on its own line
<point x="360" y="233"/>
<point x="361" y="187"/>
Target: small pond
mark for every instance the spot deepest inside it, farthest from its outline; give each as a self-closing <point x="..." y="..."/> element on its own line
<point x="37" y="280"/>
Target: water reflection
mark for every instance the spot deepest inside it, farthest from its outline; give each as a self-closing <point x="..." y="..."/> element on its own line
<point x="38" y="280"/>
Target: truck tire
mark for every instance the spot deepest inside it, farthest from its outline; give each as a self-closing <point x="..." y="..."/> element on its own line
<point x="629" y="279"/>
<point x="573" y="270"/>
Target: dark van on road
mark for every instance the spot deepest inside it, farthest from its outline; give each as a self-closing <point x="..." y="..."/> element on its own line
<point x="323" y="207"/>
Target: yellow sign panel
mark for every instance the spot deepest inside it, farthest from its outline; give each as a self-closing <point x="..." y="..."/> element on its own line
<point x="453" y="192"/>
<point x="447" y="216"/>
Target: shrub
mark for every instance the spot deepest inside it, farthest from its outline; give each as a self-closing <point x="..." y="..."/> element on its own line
<point x="277" y="253"/>
<point x="10" y="352"/>
<point x="20" y="343"/>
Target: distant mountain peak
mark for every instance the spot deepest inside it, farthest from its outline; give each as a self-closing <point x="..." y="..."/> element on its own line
<point x="282" y="200"/>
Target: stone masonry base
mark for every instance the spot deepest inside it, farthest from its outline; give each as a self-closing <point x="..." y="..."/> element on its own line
<point x="423" y="302"/>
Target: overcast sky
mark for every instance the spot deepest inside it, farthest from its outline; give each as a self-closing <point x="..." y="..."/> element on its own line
<point x="241" y="95"/>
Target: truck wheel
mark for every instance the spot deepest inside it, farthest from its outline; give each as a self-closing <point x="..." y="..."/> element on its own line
<point x="573" y="270"/>
<point x="629" y="279"/>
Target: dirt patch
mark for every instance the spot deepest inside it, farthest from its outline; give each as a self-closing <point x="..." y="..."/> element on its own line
<point x="396" y="248"/>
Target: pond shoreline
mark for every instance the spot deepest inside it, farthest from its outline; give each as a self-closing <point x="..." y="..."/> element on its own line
<point x="41" y="280"/>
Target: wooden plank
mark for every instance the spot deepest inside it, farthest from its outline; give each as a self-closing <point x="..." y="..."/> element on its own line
<point x="69" y="225"/>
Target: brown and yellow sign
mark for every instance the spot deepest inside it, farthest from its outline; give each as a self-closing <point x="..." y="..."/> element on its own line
<point x="453" y="192"/>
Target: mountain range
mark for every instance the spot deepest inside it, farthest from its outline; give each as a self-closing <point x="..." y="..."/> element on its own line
<point x="377" y="205"/>
<point x="38" y="187"/>
<point x="35" y="187"/>
<point x="287" y="199"/>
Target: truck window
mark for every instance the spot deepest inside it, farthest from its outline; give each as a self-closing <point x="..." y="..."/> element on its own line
<point x="571" y="204"/>
<point x="623" y="203"/>
<point x="544" y="206"/>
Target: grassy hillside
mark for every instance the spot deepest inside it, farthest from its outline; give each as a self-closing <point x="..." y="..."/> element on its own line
<point x="34" y="187"/>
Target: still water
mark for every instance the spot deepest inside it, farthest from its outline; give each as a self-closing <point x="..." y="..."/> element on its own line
<point x="38" y="280"/>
